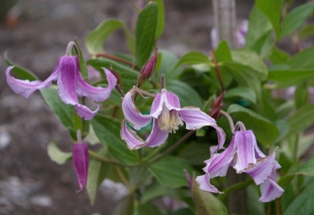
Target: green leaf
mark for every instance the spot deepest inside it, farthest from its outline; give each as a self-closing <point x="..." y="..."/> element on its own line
<point x="307" y="31"/>
<point x="57" y="155"/>
<point x="95" y="39"/>
<point x="188" y="96"/>
<point x="160" y="19"/>
<point x="265" y="131"/>
<point x="145" y="33"/>
<point x="169" y="171"/>
<point x="244" y="75"/>
<point x="83" y="68"/>
<point x="301" y="95"/>
<point x="168" y="60"/>
<point x="272" y="9"/>
<point x="128" y="75"/>
<point x="278" y="56"/>
<point x="97" y="171"/>
<point x="206" y="203"/>
<point x="148" y="209"/>
<point x="64" y="112"/>
<point x="302" y="119"/>
<point x="244" y="92"/>
<point x="20" y="72"/>
<point x="258" y="27"/>
<point x="302" y="60"/>
<point x="306" y="168"/>
<point x="191" y="58"/>
<point x="195" y="153"/>
<point x="222" y="52"/>
<point x="249" y="58"/>
<point x="108" y="132"/>
<point x="303" y="203"/>
<point x="296" y="18"/>
<point x="290" y="77"/>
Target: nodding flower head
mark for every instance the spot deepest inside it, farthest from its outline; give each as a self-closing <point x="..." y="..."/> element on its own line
<point x="166" y="115"/>
<point x="71" y="84"/>
<point x="245" y="156"/>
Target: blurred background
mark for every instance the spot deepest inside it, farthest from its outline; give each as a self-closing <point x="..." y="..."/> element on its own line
<point x="34" y="34"/>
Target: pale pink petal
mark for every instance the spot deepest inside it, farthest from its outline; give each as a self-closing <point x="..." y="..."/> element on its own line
<point x="132" y="114"/>
<point x="219" y="163"/>
<point x="132" y="140"/>
<point x="246" y="150"/>
<point x="157" y="106"/>
<point x="26" y="87"/>
<point x="194" y="119"/>
<point x="84" y="112"/>
<point x="262" y="170"/>
<point x="68" y="68"/>
<point x="97" y="94"/>
<point x="157" y="136"/>
<point x="171" y="100"/>
<point x="270" y="190"/>
<point x="204" y="184"/>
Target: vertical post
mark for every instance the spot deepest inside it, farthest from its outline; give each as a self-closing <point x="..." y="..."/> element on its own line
<point x="225" y="20"/>
<point x="225" y="25"/>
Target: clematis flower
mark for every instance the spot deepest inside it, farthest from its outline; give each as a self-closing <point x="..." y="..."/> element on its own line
<point x="80" y="160"/>
<point x="166" y="115"/>
<point x="245" y="156"/>
<point x="71" y="84"/>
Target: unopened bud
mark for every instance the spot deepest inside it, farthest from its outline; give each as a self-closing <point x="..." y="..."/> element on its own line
<point x="148" y="69"/>
<point x="80" y="160"/>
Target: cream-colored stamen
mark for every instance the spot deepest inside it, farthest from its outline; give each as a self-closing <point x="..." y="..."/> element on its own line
<point x="169" y="120"/>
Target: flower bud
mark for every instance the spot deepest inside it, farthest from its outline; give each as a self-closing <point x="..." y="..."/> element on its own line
<point x="148" y="69"/>
<point x="80" y="161"/>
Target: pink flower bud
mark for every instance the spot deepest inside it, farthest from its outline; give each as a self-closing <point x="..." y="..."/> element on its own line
<point x="148" y="69"/>
<point x="80" y="161"/>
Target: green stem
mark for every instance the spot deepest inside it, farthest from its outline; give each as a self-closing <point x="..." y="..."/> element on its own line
<point x="296" y="146"/>
<point x="187" y="135"/>
<point x="235" y="187"/>
<point x="106" y="160"/>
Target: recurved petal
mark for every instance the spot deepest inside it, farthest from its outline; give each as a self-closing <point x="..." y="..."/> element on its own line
<point x="262" y="170"/>
<point x="97" y="94"/>
<point x="157" y="136"/>
<point x="194" y="119"/>
<point x="219" y="163"/>
<point x="26" y="87"/>
<point x="132" y="140"/>
<point x="84" y="112"/>
<point x="80" y="161"/>
<point x="204" y="184"/>
<point x="68" y="68"/>
<point x="132" y="114"/>
<point x="270" y="190"/>
<point x="157" y="106"/>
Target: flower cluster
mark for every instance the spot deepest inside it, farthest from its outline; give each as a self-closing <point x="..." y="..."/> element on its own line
<point x="244" y="156"/>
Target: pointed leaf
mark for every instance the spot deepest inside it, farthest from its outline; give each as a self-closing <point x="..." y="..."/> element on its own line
<point x="161" y="18"/>
<point x="169" y="171"/>
<point x="244" y="92"/>
<point x="108" y="132"/>
<point x="145" y="33"/>
<point x="192" y="58"/>
<point x="222" y="52"/>
<point x="302" y="119"/>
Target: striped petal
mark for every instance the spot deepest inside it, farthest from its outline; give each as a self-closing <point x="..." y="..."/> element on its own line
<point x="132" y="114"/>
<point x="132" y="140"/>
<point x="270" y="190"/>
<point x="97" y="94"/>
<point x="157" y="136"/>
<point x="25" y="87"/>
<point x="204" y="183"/>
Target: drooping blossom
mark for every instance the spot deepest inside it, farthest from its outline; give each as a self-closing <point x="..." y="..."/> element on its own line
<point x="71" y="84"/>
<point x="244" y="156"/>
<point x="80" y="160"/>
<point x="166" y="116"/>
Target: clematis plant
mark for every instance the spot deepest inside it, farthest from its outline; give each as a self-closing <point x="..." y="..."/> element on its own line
<point x="166" y="116"/>
<point x="139" y="137"/>
<point x="245" y="157"/>
<point x="71" y="84"/>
